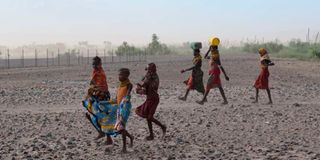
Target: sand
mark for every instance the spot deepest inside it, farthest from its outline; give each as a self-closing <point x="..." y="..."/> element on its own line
<point x="42" y="116"/>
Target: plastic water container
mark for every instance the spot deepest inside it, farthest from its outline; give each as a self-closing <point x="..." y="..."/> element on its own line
<point x="196" y="45"/>
<point x="215" y="41"/>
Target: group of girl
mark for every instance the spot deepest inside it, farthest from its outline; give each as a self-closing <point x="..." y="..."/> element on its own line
<point x="195" y="80"/>
<point x="109" y="116"/>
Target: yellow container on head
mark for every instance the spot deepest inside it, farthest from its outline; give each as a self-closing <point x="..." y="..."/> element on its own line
<point x="215" y="41"/>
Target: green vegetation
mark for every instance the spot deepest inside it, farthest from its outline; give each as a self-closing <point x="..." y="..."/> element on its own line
<point x="293" y="49"/>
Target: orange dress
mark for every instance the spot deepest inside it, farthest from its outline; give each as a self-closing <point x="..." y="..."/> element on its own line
<point x="99" y="79"/>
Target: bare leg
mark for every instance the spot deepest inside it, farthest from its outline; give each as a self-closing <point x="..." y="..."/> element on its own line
<point x="109" y="140"/>
<point x="151" y="136"/>
<point x="100" y="135"/>
<point x="163" y="127"/>
<point x="269" y="95"/>
<point x="257" y="95"/>
<point x="185" y="96"/>
<point x="223" y="95"/>
<point x="124" y="141"/>
<point x="131" y="138"/>
<point x="204" y="99"/>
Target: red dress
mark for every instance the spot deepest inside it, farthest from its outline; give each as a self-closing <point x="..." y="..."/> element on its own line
<point x="151" y="85"/>
<point x="214" y="81"/>
<point x="262" y="80"/>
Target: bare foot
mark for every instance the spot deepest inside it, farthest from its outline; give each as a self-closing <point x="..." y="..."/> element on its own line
<point x="205" y="100"/>
<point x="109" y="141"/>
<point x="88" y="116"/>
<point x="200" y="102"/>
<point x="269" y="103"/>
<point x="224" y="102"/>
<point x="150" y="138"/>
<point x="124" y="150"/>
<point x="164" y="130"/>
<point x="182" y="98"/>
<point x="101" y="135"/>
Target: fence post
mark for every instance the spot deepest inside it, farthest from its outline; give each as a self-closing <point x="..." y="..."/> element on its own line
<point x="47" y="57"/>
<point x="87" y="56"/>
<point x="58" y="57"/>
<point x="78" y="56"/>
<point x="35" y="57"/>
<point x="52" y="56"/>
<point x="112" y="56"/>
<point x="22" y="58"/>
<point x="145" y="55"/>
<point x="68" y="57"/>
<point x="96" y="52"/>
<point x="104" y="55"/>
<point x="81" y="57"/>
<point x="8" y="55"/>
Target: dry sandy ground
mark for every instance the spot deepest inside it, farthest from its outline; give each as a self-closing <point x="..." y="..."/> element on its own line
<point x="42" y="117"/>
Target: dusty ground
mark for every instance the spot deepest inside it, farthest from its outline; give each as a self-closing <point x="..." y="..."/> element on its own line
<point x="42" y="117"/>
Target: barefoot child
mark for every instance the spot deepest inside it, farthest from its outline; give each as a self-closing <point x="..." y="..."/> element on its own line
<point x="262" y="81"/>
<point x="195" y="80"/>
<point x="214" y="71"/>
<point x="149" y="87"/>
<point x="110" y="117"/>
<point x="123" y="96"/>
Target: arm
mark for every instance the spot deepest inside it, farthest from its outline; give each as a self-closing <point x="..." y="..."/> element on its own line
<point x="191" y="68"/>
<point x="206" y="56"/>
<point x="224" y="72"/>
<point x="129" y="90"/>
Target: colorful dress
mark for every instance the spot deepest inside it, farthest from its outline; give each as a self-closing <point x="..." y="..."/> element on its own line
<point x="151" y="85"/>
<point x="195" y="80"/>
<point x="109" y="118"/>
<point x="214" y="78"/>
<point x="122" y="112"/>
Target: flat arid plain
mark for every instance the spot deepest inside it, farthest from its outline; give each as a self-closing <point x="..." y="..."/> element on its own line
<point x="42" y="117"/>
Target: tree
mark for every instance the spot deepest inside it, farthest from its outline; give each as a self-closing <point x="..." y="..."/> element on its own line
<point x="125" y="48"/>
<point x="156" y="48"/>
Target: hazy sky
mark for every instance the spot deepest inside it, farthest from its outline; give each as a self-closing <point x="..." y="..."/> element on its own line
<point x="175" y="21"/>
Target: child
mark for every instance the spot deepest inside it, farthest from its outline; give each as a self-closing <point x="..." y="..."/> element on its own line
<point x="123" y="95"/>
<point x="150" y="87"/>
<point x="98" y="86"/>
<point x="98" y="83"/>
<point x="262" y="80"/>
<point x="195" y="80"/>
<point x="104" y="117"/>
<point x="214" y="72"/>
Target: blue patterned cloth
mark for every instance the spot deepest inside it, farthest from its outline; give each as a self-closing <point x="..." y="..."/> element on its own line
<point x="104" y="115"/>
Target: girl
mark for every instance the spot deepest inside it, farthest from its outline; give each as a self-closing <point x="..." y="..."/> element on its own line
<point x="98" y="83"/>
<point x="214" y="72"/>
<point x="262" y="81"/>
<point x="195" y="81"/>
<point x="149" y="87"/>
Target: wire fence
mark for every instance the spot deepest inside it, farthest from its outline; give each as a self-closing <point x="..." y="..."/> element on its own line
<point x="66" y="57"/>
